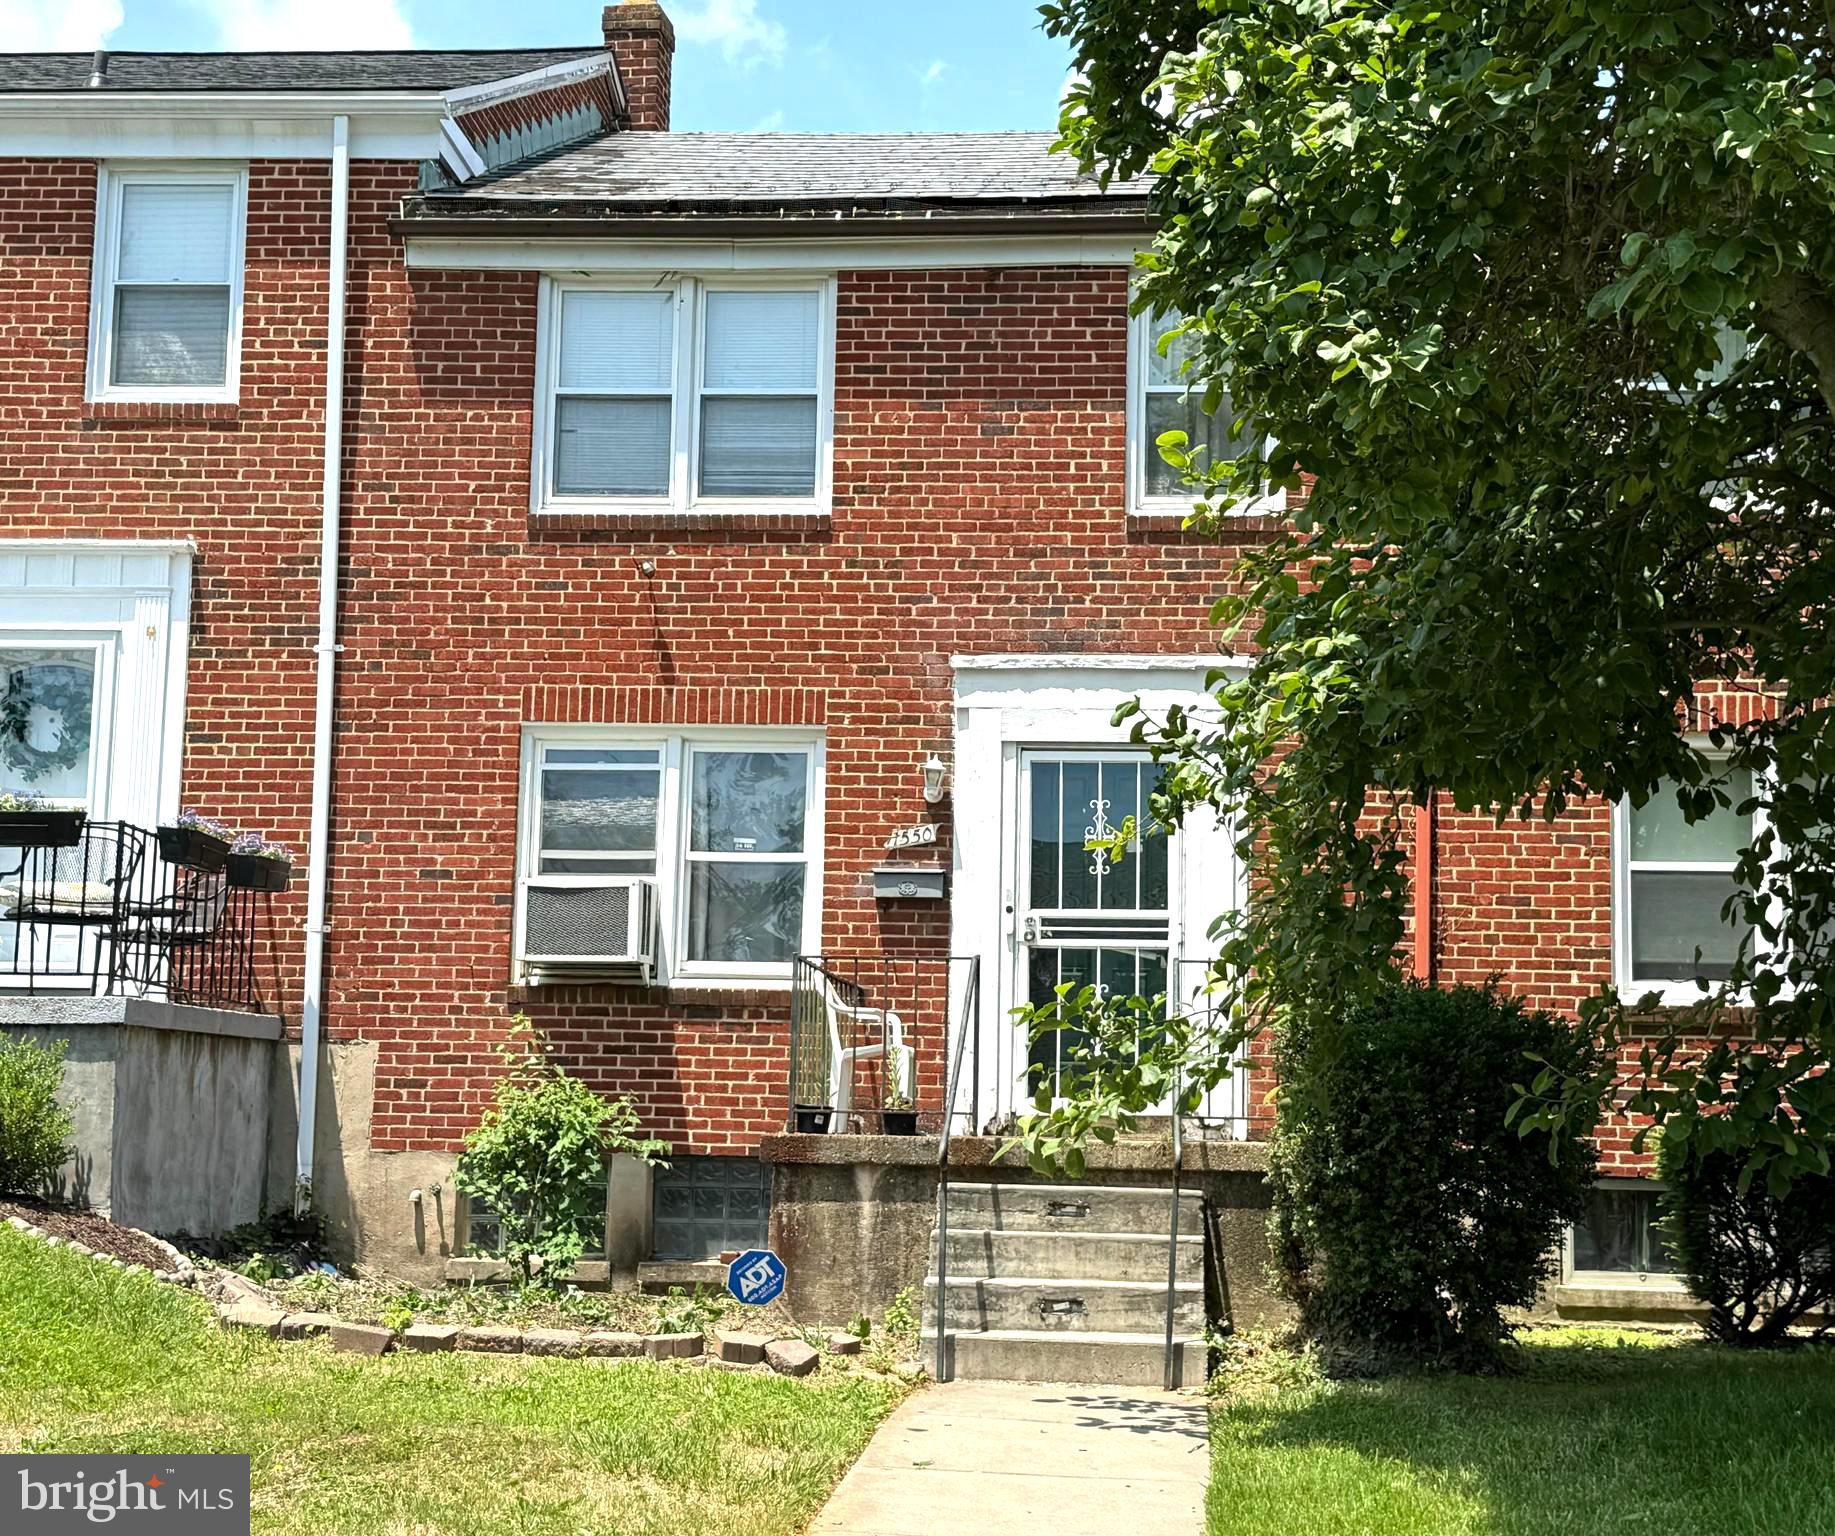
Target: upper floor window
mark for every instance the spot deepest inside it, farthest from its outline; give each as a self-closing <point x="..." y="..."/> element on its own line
<point x="1163" y="397"/>
<point x="725" y="825"/>
<point x="166" y="312"/>
<point x="693" y="393"/>
<point x="1675" y="878"/>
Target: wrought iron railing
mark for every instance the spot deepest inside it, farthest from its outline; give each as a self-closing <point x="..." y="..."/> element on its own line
<point x="98" y="911"/>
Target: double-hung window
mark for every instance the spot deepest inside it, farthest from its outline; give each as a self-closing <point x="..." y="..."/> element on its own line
<point x="728" y="824"/>
<point x="166" y="310"/>
<point x="707" y="393"/>
<point x="1675" y="878"/>
<point x="1164" y="397"/>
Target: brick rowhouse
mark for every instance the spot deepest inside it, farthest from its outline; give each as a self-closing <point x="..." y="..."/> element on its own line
<point x="980" y="508"/>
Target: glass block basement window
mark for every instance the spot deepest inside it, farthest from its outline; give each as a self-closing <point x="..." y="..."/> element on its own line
<point x="704" y="1206"/>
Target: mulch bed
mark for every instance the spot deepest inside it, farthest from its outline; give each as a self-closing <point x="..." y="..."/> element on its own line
<point x="92" y="1231"/>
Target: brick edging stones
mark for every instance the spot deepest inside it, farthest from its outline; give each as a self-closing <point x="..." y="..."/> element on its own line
<point x="183" y="1271"/>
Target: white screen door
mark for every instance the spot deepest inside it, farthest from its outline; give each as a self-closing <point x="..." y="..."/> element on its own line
<point x="1083" y="918"/>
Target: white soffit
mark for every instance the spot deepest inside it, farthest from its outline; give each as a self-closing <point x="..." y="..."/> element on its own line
<point x="204" y="125"/>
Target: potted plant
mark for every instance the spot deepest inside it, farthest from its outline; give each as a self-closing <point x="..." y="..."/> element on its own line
<point x="255" y="864"/>
<point x="899" y="1115"/>
<point x="31" y="821"/>
<point x="195" y="842"/>
<point x="813" y="1119"/>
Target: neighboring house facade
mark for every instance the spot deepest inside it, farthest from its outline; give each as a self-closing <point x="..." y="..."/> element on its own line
<point x="709" y="512"/>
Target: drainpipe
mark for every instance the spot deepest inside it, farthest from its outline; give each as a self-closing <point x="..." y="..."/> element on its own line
<point x="319" y="847"/>
<point x="1426" y="847"/>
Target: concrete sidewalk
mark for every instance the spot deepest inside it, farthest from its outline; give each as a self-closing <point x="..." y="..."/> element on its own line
<point x="1004" y="1459"/>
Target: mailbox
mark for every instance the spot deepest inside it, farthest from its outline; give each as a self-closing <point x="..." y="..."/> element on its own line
<point x="910" y="882"/>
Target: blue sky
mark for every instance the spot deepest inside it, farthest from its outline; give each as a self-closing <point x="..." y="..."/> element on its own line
<point x="740" y="64"/>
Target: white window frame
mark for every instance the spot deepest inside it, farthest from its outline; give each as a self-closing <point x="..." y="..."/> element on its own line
<point x="685" y="445"/>
<point x="672" y="835"/>
<point x="1140" y="450"/>
<point x="1677" y="993"/>
<point x="111" y="180"/>
<point x="1617" y="1279"/>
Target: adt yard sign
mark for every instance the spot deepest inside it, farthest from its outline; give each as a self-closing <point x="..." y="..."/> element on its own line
<point x="756" y="1276"/>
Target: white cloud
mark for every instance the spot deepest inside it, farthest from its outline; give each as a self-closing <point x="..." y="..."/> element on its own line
<point x="282" y="24"/>
<point x="735" y="27"/>
<point x="938" y="68"/>
<point x="57" y="26"/>
<point x="771" y="122"/>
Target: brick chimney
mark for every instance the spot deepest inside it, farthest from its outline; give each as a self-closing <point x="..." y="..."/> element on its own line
<point x="640" y="36"/>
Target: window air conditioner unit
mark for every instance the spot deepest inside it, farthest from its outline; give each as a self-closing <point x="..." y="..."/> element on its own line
<point x="582" y="928"/>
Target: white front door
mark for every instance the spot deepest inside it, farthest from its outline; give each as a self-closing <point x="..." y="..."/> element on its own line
<point x="92" y="667"/>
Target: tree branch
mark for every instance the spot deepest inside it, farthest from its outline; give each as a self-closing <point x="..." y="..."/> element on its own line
<point x="1798" y="311"/>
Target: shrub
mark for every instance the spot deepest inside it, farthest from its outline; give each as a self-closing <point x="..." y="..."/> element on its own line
<point x="537" y="1157"/>
<point x="1408" y="1211"/>
<point x="34" y="1127"/>
<point x="1762" y="1258"/>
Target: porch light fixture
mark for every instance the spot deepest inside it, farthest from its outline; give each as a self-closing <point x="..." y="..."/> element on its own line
<point x="935" y="772"/>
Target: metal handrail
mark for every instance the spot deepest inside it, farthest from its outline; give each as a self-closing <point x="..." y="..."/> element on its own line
<point x="1170" y="1373"/>
<point x="971" y="1006"/>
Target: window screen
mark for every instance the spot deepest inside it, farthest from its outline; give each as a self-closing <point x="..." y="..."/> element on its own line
<point x="706" y="1206"/>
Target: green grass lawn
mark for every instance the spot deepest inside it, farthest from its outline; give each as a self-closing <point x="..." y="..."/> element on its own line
<point x="95" y="1360"/>
<point x="1602" y="1431"/>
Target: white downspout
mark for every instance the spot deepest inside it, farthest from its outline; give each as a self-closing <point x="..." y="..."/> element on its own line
<point x="318" y="863"/>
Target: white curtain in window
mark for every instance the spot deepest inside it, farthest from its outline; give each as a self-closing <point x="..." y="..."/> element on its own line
<point x="613" y="421"/>
<point x="758" y="408"/>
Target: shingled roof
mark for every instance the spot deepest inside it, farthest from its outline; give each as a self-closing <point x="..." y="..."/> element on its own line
<point x="627" y="177"/>
<point x="416" y="70"/>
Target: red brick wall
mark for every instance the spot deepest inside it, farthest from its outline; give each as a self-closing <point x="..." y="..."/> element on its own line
<point x="978" y="507"/>
<point x="242" y="481"/>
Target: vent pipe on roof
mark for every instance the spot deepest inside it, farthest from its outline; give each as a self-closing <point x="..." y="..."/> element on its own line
<point x="98" y="70"/>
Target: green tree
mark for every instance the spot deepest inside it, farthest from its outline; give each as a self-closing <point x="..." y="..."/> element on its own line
<point x="1543" y="294"/>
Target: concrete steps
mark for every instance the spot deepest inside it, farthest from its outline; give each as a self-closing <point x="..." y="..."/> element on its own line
<point x="1079" y="1305"/>
<point x="1073" y="1255"/>
<point x="1108" y="1359"/>
<point x="1070" y="1208"/>
<point x="1061" y="1282"/>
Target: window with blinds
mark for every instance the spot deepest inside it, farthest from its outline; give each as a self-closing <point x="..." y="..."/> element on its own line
<point x="169" y="284"/>
<point x="667" y="396"/>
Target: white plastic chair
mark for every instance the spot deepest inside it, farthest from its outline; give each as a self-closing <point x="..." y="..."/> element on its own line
<point x="889" y="1046"/>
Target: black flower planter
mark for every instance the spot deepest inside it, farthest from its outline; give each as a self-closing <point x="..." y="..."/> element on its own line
<point x="192" y="848"/>
<point x="250" y="872"/>
<point x="812" y="1120"/>
<point x="900" y="1122"/>
<point x="41" y="829"/>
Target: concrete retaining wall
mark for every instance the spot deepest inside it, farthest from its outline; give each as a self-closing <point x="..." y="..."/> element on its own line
<point x="170" y="1106"/>
<point x="851" y="1216"/>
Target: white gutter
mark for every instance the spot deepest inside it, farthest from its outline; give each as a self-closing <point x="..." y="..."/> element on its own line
<point x="318" y="852"/>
